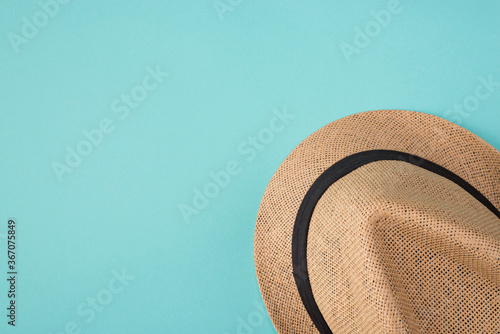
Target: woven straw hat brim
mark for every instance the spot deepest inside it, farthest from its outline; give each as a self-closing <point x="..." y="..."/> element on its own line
<point x="379" y="192"/>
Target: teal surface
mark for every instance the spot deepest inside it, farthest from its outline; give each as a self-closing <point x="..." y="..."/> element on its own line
<point x="137" y="139"/>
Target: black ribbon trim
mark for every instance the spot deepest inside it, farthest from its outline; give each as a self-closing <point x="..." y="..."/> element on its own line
<point x="322" y="183"/>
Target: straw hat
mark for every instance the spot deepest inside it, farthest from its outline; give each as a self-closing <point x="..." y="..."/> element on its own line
<point x="383" y="222"/>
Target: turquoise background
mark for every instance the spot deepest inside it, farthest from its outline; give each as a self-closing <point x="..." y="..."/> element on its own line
<point x="119" y="208"/>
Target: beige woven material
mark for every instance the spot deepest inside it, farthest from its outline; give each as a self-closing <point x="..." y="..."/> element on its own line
<point x="392" y="247"/>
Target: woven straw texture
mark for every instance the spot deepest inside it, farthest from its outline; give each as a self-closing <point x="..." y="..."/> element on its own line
<point x="392" y="248"/>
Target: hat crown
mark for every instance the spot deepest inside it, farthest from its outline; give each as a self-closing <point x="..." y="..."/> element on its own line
<point x="391" y="247"/>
